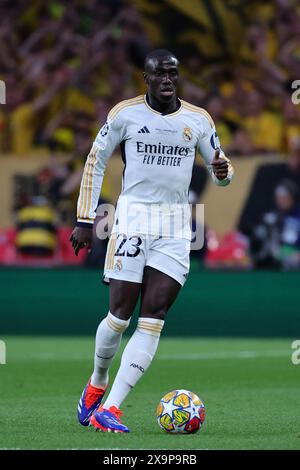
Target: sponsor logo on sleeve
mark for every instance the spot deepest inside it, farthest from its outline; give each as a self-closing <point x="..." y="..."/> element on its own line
<point x="215" y="141"/>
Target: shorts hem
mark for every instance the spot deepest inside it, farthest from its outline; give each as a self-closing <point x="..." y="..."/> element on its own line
<point x="107" y="277"/>
<point x="168" y="273"/>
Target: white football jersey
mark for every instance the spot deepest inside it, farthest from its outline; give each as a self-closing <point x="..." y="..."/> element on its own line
<point x="158" y="152"/>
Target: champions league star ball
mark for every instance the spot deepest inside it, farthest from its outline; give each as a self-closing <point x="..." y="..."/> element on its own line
<point x="180" y="411"/>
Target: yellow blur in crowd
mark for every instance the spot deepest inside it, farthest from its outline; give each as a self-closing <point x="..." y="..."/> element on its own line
<point x="239" y="42"/>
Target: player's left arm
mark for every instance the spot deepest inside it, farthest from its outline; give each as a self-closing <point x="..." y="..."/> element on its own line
<point x="218" y="165"/>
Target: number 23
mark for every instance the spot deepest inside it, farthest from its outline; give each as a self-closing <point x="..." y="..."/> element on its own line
<point x="134" y="245"/>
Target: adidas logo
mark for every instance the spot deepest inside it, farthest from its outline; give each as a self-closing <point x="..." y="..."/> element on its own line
<point x="136" y="366"/>
<point x="144" y="130"/>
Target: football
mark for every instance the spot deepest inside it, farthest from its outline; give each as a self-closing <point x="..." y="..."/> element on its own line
<point x="180" y="411"/>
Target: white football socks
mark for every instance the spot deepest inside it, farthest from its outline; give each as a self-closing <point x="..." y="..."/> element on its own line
<point x="136" y="359"/>
<point x="108" y="338"/>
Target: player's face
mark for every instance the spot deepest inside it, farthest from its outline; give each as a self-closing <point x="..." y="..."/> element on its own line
<point x="161" y="77"/>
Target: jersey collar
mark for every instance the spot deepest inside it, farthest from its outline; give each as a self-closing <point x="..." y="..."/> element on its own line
<point x="157" y="112"/>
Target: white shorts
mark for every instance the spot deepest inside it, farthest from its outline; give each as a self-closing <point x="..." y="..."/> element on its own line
<point x="127" y="256"/>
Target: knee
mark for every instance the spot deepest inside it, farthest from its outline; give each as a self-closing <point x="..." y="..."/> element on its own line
<point x="158" y="314"/>
<point x="154" y="309"/>
<point x="123" y="297"/>
<point x="120" y="311"/>
<point x="120" y="305"/>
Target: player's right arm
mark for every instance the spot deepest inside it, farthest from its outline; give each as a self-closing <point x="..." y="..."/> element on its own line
<point x="109" y="136"/>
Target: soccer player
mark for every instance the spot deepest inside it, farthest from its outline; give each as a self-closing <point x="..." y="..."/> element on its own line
<point x="159" y="135"/>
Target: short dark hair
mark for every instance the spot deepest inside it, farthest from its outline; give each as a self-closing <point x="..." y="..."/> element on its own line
<point x="158" y="54"/>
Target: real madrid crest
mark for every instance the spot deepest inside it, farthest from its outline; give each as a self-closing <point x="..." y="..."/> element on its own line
<point x="187" y="134"/>
<point x="118" y="266"/>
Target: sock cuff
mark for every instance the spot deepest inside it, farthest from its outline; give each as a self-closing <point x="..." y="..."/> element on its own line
<point x="116" y="324"/>
<point x="151" y="326"/>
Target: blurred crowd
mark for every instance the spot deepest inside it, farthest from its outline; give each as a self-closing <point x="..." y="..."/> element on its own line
<point x="275" y="240"/>
<point x="249" y="93"/>
<point x="65" y="64"/>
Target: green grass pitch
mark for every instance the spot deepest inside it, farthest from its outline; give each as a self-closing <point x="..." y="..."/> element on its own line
<point x="250" y="389"/>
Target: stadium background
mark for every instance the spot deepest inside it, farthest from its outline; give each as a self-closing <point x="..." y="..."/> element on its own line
<point x="65" y="64"/>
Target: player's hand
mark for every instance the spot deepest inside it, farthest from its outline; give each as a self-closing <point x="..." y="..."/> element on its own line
<point x="80" y="238"/>
<point x="220" y="166"/>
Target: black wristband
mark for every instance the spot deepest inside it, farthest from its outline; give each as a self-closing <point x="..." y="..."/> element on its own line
<point x="84" y="225"/>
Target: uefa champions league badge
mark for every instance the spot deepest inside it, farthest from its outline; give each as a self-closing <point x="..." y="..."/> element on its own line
<point x="104" y="130"/>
